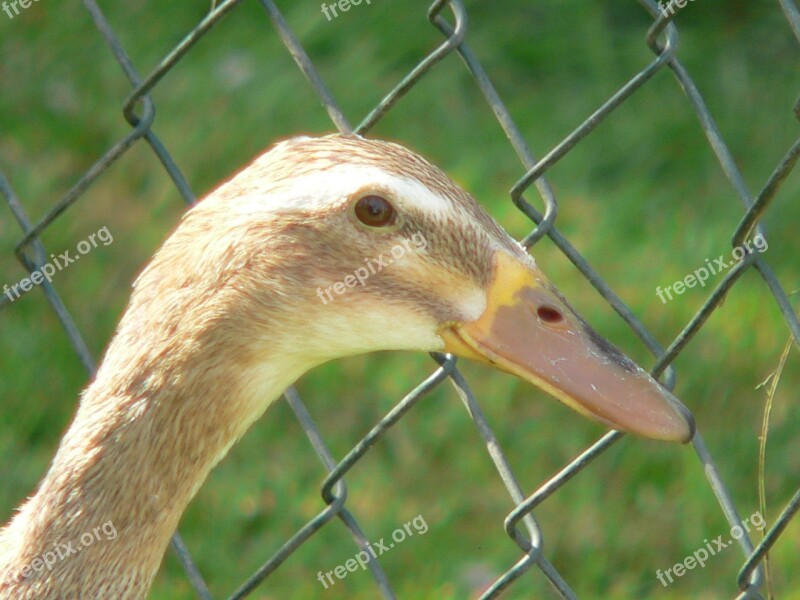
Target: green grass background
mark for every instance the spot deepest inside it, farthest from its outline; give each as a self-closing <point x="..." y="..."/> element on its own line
<point x="643" y="198"/>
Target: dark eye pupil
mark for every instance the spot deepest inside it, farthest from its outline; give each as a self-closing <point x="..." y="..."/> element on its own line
<point x="375" y="211"/>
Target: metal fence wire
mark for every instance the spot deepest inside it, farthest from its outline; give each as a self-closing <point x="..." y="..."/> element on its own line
<point x="450" y="18"/>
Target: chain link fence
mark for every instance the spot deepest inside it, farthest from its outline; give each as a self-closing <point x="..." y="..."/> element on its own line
<point x="450" y="18"/>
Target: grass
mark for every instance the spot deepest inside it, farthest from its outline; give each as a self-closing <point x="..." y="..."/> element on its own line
<point x="643" y="198"/>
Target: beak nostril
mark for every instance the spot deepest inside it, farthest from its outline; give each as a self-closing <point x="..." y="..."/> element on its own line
<point x="549" y="314"/>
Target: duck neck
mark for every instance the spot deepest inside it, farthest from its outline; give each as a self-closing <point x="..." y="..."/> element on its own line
<point x="148" y="431"/>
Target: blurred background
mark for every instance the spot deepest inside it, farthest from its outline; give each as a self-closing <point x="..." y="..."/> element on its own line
<point x="642" y="198"/>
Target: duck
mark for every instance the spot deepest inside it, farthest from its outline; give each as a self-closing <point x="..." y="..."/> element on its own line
<point x="320" y="248"/>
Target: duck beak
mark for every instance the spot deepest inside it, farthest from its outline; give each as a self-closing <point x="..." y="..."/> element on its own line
<point x="529" y="330"/>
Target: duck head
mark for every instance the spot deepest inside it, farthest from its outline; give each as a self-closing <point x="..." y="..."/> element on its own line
<point x="319" y="249"/>
<point x="370" y="247"/>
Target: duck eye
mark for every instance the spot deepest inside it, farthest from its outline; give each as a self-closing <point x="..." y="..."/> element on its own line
<point x="375" y="211"/>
